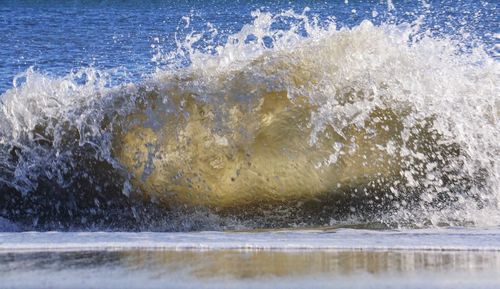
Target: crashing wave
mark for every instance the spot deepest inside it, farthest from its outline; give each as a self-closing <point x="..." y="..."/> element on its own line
<point x="276" y="127"/>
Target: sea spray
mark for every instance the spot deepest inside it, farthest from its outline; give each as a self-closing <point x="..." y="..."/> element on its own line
<point x="302" y="125"/>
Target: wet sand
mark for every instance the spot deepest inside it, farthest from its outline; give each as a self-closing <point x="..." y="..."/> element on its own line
<point x="251" y="269"/>
<point x="435" y="258"/>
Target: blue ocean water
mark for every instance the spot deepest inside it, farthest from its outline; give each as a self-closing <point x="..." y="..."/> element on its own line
<point x="56" y="37"/>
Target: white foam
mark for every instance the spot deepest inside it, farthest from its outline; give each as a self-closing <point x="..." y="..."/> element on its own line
<point x="342" y="239"/>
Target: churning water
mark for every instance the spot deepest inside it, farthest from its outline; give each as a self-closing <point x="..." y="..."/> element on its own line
<point x="228" y="115"/>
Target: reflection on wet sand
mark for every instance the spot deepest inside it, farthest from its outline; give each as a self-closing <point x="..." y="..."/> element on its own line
<point x="250" y="269"/>
<point x="254" y="264"/>
<point x="236" y="264"/>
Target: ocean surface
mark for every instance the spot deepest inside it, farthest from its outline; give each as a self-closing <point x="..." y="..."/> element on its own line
<point x="280" y="144"/>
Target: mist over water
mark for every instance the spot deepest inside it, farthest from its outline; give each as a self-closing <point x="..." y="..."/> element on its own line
<point x="375" y="115"/>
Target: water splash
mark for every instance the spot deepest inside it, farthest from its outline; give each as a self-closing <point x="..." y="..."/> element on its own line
<point x="306" y="124"/>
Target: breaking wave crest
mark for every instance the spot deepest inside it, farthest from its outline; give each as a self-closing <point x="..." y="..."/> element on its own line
<point x="304" y="125"/>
